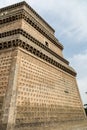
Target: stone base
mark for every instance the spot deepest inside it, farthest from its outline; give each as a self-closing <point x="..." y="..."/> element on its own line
<point x="71" y="125"/>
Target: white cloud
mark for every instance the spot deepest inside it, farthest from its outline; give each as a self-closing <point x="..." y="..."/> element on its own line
<point x="72" y="16"/>
<point x="79" y="62"/>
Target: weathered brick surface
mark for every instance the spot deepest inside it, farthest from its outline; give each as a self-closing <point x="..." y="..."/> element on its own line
<point x="38" y="89"/>
<point x="70" y="125"/>
<point x="13" y="25"/>
<point x="40" y="98"/>
<point x="5" y="64"/>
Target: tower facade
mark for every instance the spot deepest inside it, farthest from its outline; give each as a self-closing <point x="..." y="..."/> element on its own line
<point x="37" y="85"/>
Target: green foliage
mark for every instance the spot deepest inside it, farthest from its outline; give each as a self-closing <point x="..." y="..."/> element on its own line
<point x="86" y="111"/>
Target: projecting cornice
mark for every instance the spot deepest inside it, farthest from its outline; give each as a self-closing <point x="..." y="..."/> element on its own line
<point x="28" y="6"/>
<point x="22" y="14"/>
<point x="28" y="36"/>
<point x="32" y="50"/>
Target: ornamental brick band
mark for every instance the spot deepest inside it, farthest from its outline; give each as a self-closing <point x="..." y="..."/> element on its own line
<point x="25" y="34"/>
<point x="17" y="42"/>
<point x="22" y="15"/>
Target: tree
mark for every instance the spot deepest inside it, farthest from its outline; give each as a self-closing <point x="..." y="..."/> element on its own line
<point x="85" y="107"/>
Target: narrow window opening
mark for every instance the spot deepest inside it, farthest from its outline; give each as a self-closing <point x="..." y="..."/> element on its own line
<point x="66" y="91"/>
<point x="46" y="43"/>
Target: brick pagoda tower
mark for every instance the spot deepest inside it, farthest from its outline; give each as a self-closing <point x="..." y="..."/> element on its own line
<point x="37" y="85"/>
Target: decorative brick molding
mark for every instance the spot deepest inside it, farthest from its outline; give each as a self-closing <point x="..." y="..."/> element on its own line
<point x="28" y="6"/>
<point x="20" y="43"/>
<point x="29" y="19"/>
<point x="28" y="36"/>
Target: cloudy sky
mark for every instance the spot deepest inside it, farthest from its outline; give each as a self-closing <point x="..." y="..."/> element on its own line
<point x="69" y="19"/>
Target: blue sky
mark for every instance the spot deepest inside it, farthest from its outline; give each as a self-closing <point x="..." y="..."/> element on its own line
<point x="69" y="19"/>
